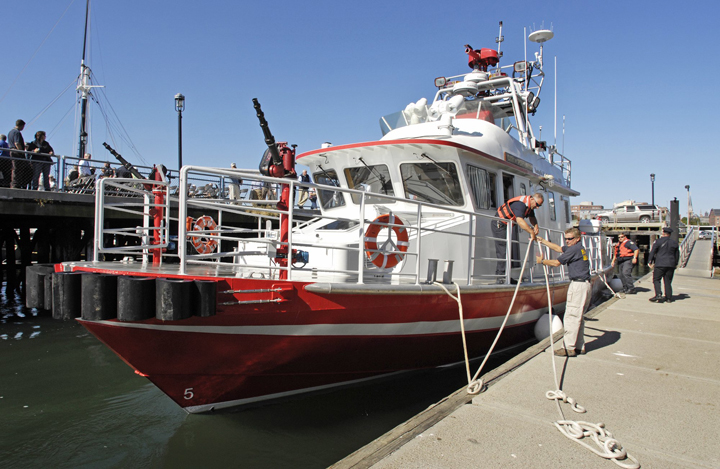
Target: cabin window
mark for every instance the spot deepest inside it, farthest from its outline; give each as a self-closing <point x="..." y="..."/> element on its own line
<point x="551" y="205"/>
<point x="328" y="198"/>
<point x="480" y="187"/>
<point x="436" y="183"/>
<point x="566" y="201"/>
<point x="370" y="179"/>
<point x="523" y="189"/>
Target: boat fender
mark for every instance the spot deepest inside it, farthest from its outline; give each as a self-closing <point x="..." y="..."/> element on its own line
<point x="98" y="296"/>
<point x="378" y="257"/>
<point x="172" y="299"/>
<point x="66" y="295"/>
<point x="136" y="298"/>
<point x="616" y="284"/>
<point x="541" y="326"/>
<point x="203" y="244"/>
<point x="206" y="301"/>
<point x="35" y="284"/>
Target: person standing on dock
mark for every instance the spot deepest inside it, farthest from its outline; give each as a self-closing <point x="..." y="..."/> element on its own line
<point x="579" y="292"/>
<point x="41" y="161"/>
<point x="625" y="257"/>
<point x="517" y="209"/>
<point x="5" y="166"/>
<point x="663" y="259"/>
<point x="19" y="165"/>
<point x="84" y="166"/>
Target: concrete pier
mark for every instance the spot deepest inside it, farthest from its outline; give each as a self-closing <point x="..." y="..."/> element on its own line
<point x="651" y="375"/>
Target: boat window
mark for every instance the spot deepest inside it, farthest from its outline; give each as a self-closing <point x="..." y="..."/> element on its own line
<point x="435" y="183"/>
<point x="328" y="198"/>
<point x="523" y="189"/>
<point x="508" y="186"/>
<point x="339" y="225"/>
<point x="551" y="205"/>
<point x="480" y="187"/>
<point x="493" y="190"/>
<point x="369" y="178"/>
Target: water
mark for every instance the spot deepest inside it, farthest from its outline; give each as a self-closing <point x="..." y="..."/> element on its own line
<point x="67" y="401"/>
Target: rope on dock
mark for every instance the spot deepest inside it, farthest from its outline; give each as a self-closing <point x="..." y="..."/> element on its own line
<point x="609" y="447"/>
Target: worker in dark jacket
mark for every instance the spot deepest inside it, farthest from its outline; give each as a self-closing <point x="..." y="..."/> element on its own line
<point x="663" y="259"/>
<point x="625" y="257"/>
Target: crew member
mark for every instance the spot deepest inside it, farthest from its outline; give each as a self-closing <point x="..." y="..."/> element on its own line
<point x="625" y="257"/>
<point x="517" y="209"/>
<point x="578" y="295"/>
<point x="663" y="259"/>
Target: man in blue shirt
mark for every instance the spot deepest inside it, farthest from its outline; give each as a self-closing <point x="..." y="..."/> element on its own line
<point x="579" y="292"/>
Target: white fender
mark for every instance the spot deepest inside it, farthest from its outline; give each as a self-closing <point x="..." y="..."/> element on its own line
<point x="616" y="284"/>
<point x="541" y="326"/>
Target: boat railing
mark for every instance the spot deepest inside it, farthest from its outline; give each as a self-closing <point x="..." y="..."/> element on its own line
<point x="242" y="234"/>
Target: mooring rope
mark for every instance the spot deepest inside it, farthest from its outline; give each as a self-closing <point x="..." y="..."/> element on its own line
<point x="475" y="385"/>
<point x="607" y="446"/>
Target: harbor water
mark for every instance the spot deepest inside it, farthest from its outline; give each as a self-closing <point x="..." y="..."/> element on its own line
<point x="67" y="401"/>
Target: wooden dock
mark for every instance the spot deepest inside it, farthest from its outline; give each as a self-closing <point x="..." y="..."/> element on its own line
<point x="651" y="375"/>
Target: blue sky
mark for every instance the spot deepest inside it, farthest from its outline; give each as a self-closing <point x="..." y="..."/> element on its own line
<point x="636" y="80"/>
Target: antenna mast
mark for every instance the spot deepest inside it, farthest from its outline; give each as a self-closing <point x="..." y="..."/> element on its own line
<point x="84" y="87"/>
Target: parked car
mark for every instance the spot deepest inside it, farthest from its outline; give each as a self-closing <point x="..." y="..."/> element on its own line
<point x="705" y="235"/>
<point x="632" y="214"/>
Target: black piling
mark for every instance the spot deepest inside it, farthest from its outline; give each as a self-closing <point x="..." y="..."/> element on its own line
<point x="99" y="296"/>
<point x="173" y="299"/>
<point x="67" y="291"/>
<point x="136" y="298"/>
<point x="205" y="301"/>
<point x="35" y="285"/>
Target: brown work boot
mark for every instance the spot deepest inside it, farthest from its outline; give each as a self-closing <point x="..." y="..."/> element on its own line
<point x="563" y="352"/>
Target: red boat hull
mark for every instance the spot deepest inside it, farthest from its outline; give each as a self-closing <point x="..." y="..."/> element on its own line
<point x="310" y="341"/>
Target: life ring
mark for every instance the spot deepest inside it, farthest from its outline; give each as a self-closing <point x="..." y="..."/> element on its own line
<point x="386" y="260"/>
<point x="202" y="244"/>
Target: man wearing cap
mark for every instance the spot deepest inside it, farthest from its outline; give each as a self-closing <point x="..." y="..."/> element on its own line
<point x="663" y="259"/>
<point x="579" y="292"/>
<point x="625" y="257"/>
<point x="520" y="210"/>
<point x="234" y="186"/>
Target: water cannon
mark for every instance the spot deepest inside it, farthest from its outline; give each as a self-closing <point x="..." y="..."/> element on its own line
<point x="481" y="59"/>
<point x="279" y="159"/>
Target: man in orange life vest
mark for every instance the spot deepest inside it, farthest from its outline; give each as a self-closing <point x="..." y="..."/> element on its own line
<point x="520" y="210"/>
<point x="626" y="255"/>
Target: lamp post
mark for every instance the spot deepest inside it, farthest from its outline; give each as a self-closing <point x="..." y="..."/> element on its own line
<point x="179" y="107"/>
<point x="688" y="204"/>
<point x="652" y="181"/>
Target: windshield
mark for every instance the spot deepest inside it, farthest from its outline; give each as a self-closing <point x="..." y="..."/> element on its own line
<point x="370" y="178"/>
<point x="432" y="182"/>
<point x="328" y="198"/>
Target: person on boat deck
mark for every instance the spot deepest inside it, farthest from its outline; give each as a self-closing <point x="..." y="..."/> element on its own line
<point x="313" y="199"/>
<point x="578" y="295"/>
<point x="304" y="177"/>
<point x="40" y="162"/>
<point x="520" y="210"/>
<point x="663" y="259"/>
<point x="234" y="186"/>
<point x="625" y="257"/>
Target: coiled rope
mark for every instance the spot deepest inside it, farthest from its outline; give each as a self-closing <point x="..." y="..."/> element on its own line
<point x="606" y="446"/>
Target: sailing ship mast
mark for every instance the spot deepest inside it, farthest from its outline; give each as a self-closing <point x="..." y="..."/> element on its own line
<point x="84" y="88"/>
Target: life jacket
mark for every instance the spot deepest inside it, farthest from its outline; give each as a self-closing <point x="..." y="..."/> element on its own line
<point x="504" y="210"/>
<point x="621" y="250"/>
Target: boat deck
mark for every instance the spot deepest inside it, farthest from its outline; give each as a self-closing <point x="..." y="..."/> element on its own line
<point x="650" y="375"/>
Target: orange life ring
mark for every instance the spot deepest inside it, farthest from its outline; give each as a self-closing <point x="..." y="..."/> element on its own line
<point x="380" y="258"/>
<point x="202" y="244"/>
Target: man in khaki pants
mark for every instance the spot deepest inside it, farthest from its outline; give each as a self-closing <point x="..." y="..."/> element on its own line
<point x="578" y="295"/>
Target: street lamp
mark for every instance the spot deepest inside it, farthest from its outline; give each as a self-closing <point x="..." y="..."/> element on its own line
<point x="688" y="208"/>
<point x="179" y="107"/>
<point x="652" y="180"/>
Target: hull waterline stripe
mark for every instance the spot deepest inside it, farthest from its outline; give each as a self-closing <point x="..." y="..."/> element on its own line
<point x="391" y="329"/>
